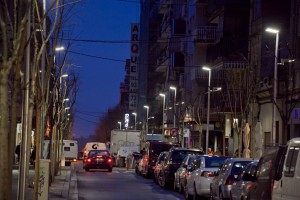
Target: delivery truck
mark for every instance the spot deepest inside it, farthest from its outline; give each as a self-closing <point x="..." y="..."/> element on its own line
<point x="127" y="139"/>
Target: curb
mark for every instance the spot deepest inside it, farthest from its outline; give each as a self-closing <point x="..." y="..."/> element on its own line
<point x="73" y="190"/>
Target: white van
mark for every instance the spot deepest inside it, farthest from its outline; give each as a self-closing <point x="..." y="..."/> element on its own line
<point x="287" y="186"/>
<point x="93" y="145"/>
<point x="70" y="151"/>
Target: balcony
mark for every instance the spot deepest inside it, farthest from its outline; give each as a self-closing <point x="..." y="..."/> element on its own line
<point x="205" y="34"/>
<point x="200" y="1"/>
<point x="163" y="61"/>
<point x="201" y="76"/>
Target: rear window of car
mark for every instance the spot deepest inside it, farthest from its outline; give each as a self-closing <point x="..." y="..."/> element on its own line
<point x="98" y="153"/>
<point x="238" y="167"/>
<point x="158" y="148"/>
<point x="178" y="156"/>
<point x="291" y="160"/>
<point x="214" y="162"/>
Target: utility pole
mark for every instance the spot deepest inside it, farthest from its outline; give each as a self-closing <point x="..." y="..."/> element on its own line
<point x="23" y="162"/>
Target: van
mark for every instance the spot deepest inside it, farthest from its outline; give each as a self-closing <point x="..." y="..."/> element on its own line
<point x="151" y="152"/>
<point x="70" y="151"/>
<point x="268" y="170"/>
<point x="287" y="186"/>
<point x="93" y="145"/>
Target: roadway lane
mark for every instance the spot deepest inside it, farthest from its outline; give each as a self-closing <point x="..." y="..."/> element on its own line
<point x="119" y="184"/>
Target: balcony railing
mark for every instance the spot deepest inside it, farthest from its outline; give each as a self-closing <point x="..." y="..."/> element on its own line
<point x="205" y="34"/>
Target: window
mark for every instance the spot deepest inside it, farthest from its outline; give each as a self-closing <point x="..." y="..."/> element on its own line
<point x="291" y="160"/>
<point x="72" y="144"/>
<point x="66" y="148"/>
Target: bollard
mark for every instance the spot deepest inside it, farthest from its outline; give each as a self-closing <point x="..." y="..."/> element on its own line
<point x="43" y="189"/>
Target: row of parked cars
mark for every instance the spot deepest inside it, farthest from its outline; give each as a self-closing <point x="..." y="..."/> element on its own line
<point x="276" y="175"/>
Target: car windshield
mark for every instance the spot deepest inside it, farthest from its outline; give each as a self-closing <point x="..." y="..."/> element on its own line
<point x="212" y="162"/>
<point x="98" y="153"/>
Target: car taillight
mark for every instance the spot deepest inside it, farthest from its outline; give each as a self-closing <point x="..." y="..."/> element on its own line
<point x="89" y="160"/>
<point x="274" y="185"/>
<point x="207" y="174"/>
<point x="109" y="160"/>
<point x="229" y="181"/>
<point x="249" y="186"/>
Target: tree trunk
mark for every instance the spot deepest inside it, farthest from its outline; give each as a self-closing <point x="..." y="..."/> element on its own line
<point x="37" y="149"/>
<point x="5" y="188"/>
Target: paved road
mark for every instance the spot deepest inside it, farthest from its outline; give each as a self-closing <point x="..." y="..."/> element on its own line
<point x="119" y="184"/>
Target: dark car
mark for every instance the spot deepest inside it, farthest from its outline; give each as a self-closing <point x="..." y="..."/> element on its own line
<point x="172" y="163"/>
<point x="151" y="153"/>
<point x="157" y="168"/>
<point x="269" y="169"/>
<point x="98" y="159"/>
<point x="240" y="188"/>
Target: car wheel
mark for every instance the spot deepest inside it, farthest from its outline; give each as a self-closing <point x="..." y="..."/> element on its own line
<point x="187" y="196"/>
<point x="155" y="179"/>
<point x="110" y="169"/>
<point x="87" y="169"/>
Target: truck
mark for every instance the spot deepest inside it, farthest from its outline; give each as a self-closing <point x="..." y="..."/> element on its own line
<point x="127" y="139"/>
<point x="69" y="151"/>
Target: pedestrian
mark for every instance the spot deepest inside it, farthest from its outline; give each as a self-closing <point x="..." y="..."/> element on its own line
<point x="210" y="152"/>
<point x="17" y="152"/>
<point x="32" y="156"/>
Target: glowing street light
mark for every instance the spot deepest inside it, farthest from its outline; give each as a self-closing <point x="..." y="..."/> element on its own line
<point x="163" y="110"/>
<point x="208" y="107"/>
<point x="134" y="120"/>
<point x="120" y="125"/>
<point x="276" y="32"/>
<point x="174" y="120"/>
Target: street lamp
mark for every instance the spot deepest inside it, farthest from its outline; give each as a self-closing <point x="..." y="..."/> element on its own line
<point x="134" y="120"/>
<point x="174" y="120"/>
<point x="120" y="125"/>
<point x="163" y="111"/>
<point x="276" y="32"/>
<point x="147" y="107"/>
<point x="208" y="106"/>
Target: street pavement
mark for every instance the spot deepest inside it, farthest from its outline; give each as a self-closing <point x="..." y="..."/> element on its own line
<point x="63" y="187"/>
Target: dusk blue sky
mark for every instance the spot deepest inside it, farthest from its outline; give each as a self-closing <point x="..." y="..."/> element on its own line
<point x="99" y="79"/>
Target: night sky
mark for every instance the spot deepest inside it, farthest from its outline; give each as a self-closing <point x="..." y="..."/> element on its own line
<point x="108" y="21"/>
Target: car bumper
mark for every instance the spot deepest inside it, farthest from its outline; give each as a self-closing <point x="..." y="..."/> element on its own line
<point x="204" y="187"/>
<point x="98" y="166"/>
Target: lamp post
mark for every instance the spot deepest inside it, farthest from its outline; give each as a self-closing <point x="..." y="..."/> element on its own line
<point x="276" y="32"/>
<point x="147" y="116"/>
<point x="134" y="120"/>
<point x="174" y="120"/>
<point x="120" y="125"/>
<point x="163" y="111"/>
<point x="208" y="107"/>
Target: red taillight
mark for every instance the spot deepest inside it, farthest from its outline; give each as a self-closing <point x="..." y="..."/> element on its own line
<point x="207" y="174"/>
<point x="89" y="160"/>
<point x="249" y="186"/>
<point x="229" y="181"/>
<point x="109" y="160"/>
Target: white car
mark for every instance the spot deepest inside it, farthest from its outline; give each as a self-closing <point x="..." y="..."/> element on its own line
<point x="202" y="171"/>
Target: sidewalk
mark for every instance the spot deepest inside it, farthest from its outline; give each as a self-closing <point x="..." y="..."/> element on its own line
<point x="64" y="186"/>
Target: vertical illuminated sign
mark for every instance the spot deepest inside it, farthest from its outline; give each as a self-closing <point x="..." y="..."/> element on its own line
<point x="134" y="55"/>
<point x="126" y="120"/>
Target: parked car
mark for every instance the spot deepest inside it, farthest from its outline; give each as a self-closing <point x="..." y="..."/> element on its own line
<point x="181" y="173"/>
<point x="150" y="154"/>
<point x="220" y="186"/>
<point x="240" y="188"/>
<point x="98" y="159"/>
<point x="269" y="168"/>
<point x="286" y="186"/>
<point x="157" y="168"/>
<point x="172" y="163"/>
<point x="202" y="172"/>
